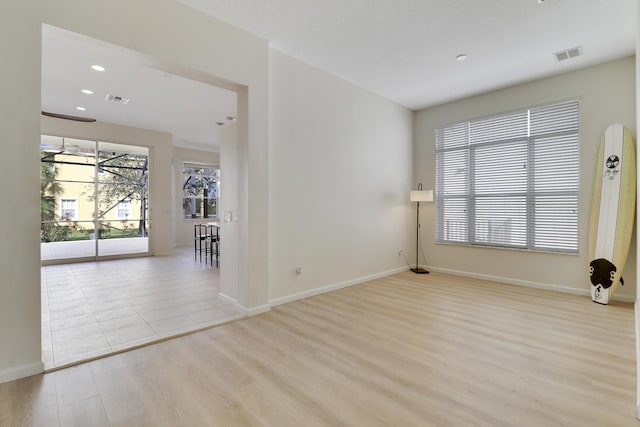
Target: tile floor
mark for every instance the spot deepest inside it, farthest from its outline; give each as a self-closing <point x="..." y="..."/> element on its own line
<point x="96" y="308"/>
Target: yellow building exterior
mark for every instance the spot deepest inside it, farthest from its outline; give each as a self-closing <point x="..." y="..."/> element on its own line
<point x="77" y="200"/>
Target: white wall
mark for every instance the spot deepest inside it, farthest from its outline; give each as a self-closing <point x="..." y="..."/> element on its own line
<point x="183" y="228"/>
<point x="181" y="40"/>
<point x="19" y="222"/>
<point x="607" y="95"/>
<point x="340" y="178"/>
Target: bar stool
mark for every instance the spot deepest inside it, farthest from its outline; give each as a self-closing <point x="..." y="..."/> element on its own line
<point x="213" y="243"/>
<point x="200" y="238"/>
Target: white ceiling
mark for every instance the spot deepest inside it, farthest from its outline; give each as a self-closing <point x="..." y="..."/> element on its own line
<point x="404" y="50"/>
<point x="159" y="100"/>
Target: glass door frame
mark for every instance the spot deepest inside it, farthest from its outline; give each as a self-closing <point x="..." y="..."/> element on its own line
<point x="98" y="219"/>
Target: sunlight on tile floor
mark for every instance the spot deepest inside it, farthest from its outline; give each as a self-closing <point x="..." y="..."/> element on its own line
<point x="96" y="308"/>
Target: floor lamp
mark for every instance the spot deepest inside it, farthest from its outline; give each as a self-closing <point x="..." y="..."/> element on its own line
<point x="420" y="196"/>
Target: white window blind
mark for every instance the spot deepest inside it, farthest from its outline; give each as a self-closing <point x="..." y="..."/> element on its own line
<point x="510" y="180"/>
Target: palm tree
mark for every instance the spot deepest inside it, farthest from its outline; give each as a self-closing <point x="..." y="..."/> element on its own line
<point x="50" y="189"/>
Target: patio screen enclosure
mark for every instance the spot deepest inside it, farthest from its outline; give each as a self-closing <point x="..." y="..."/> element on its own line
<point x="94" y="199"/>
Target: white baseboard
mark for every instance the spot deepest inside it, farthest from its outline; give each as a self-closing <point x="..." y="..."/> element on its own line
<point x="21" y="371"/>
<point x="228" y="298"/>
<point x="527" y="283"/>
<point x="252" y="311"/>
<point x="333" y="287"/>
<point x="247" y="311"/>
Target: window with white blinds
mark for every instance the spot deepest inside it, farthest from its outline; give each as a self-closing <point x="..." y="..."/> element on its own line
<point x="510" y="180"/>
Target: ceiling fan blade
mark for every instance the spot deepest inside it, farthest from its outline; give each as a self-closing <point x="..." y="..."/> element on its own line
<point x="66" y="117"/>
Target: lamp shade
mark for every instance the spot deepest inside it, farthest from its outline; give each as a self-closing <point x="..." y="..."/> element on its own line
<point x="422" y="196"/>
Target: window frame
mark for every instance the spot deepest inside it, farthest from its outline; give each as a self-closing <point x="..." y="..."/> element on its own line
<point x="124" y="206"/>
<point x="534" y="200"/>
<point x="63" y="216"/>
<point x="198" y="200"/>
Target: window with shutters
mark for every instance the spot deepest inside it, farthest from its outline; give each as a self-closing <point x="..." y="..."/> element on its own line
<point x="124" y="210"/>
<point x="510" y="180"/>
<point x="68" y="209"/>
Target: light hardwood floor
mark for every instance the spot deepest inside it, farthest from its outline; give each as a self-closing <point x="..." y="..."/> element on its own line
<point x="403" y="350"/>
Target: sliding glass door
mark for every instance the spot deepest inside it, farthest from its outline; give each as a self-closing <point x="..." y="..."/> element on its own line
<point x="123" y="199"/>
<point x="94" y="199"/>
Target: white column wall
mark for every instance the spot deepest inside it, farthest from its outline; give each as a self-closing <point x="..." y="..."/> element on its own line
<point x="20" y="352"/>
<point x="229" y="204"/>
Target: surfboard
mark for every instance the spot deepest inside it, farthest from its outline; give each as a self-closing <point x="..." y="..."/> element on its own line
<point x="612" y="212"/>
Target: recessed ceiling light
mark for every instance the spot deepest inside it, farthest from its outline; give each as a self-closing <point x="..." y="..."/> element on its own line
<point x="81" y="109"/>
<point x="87" y="91"/>
<point x="97" y="67"/>
<point x="231" y="118"/>
<point x="220" y="123"/>
<point x="461" y="57"/>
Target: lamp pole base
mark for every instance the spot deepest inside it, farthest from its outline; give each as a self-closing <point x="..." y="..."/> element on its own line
<point x="419" y="270"/>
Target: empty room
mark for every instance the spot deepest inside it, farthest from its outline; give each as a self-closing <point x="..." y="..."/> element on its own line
<point x="421" y="222"/>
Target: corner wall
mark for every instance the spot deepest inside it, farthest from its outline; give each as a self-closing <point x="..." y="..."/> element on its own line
<point x="607" y="95"/>
<point x="340" y="180"/>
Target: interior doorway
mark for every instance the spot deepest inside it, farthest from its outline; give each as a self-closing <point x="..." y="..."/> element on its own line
<point x="91" y="309"/>
<point x="94" y="200"/>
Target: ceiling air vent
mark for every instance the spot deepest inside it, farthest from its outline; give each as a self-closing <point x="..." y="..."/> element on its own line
<point x="117" y="99"/>
<point x="563" y="55"/>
